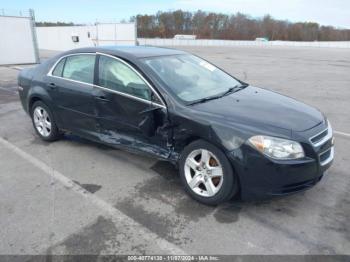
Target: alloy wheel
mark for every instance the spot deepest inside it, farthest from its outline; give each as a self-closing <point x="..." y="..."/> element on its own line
<point x="42" y="121"/>
<point x="203" y="172"/>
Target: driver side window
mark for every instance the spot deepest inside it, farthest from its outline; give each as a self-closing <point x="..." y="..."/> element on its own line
<point x="117" y="76"/>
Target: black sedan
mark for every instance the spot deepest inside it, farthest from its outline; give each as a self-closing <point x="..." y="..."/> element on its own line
<point x="226" y="136"/>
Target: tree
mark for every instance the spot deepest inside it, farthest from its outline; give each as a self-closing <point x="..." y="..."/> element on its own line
<point x="210" y="25"/>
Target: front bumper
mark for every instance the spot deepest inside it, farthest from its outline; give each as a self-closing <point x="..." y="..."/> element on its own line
<point x="261" y="177"/>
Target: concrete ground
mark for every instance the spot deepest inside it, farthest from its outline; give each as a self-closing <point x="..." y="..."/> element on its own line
<point x="76" y="197"/>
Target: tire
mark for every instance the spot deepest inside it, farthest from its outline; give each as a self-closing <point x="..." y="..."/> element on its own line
<point x="199" y="167"/>
<point x="43" y="122"/>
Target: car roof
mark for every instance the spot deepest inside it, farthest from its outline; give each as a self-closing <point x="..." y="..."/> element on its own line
<point x="130" y="51"/>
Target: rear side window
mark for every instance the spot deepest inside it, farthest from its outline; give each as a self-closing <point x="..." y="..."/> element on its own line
<point x="80" y="68"/>
<point x="117" y="76"/>
<point x="59" y="68"/>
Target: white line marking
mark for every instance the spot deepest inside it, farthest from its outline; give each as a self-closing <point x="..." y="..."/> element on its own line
<point x="10" y="90"/>
<point x="341" y="133"/>
<point x="17" y="67"/>
<point x="114" y="213"/>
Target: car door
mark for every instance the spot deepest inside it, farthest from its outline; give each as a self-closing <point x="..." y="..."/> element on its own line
<point x="71" y="85"/>
<point x="129" y="111"/>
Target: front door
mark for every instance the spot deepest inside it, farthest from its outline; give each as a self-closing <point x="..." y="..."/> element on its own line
<point x="129" y="112"/>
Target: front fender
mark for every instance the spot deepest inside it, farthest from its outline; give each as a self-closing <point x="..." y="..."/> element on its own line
<point x="186" y="130"/>
<point x="226" y="135"/>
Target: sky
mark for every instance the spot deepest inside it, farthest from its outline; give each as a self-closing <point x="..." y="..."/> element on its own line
<point x="324" y="12"/>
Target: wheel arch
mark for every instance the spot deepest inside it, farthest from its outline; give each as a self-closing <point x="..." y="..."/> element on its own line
<point x="38" y="93"/>
<point x="32" y="100"/>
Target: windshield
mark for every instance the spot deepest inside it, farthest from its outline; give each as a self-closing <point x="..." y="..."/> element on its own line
<point x="189" y="77"/>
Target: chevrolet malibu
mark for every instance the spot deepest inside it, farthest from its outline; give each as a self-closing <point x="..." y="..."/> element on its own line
<point x="225" y="136"/>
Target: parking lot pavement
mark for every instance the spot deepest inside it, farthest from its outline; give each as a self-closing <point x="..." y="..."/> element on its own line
<point x="76" y="197"/>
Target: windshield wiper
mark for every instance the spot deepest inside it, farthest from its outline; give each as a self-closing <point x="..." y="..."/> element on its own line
<point x="230" y="90"/>
<point x="227" y="92"/>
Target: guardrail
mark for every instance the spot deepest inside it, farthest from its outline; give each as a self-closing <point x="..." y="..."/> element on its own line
<point x="211" y="42"/>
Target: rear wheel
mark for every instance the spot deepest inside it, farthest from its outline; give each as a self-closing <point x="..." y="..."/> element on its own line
<point x="207" y="174"/>
<point x="43" y="122"/>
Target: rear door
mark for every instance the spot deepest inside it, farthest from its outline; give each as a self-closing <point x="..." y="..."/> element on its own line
<point x="71" y="83"/>
<point x="126" y="106"/>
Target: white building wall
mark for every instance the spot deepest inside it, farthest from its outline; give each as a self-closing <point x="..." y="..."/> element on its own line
<point x="60" y="37"/>
<point x="116" y="34"/>
<point x="212" y="42"/>
<point x="17" y="43"/>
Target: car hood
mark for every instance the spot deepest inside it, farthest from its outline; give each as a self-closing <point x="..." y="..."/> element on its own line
<point x="253" y="105"/>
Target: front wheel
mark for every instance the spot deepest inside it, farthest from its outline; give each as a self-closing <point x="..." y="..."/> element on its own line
<point x="207" y="174"/>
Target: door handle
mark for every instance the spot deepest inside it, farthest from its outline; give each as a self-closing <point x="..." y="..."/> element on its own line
<point x="102" y="98"/>
<point x="52" y="85"/>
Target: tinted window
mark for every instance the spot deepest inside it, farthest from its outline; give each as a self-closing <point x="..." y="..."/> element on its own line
<point x="117" y="76"/>
<point x="59" y="68"/>
<point x="189" y="77"/>
<point x="80" y="68"/>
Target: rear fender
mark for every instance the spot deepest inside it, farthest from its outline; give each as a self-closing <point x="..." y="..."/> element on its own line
<point x="36" y="93"/>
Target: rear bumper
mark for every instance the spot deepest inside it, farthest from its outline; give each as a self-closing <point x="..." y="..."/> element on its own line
<point x="21" y="95"/>
<point x="261" y="177"/>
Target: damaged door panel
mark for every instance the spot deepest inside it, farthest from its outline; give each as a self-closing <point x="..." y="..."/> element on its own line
<point x="126" y="114"/>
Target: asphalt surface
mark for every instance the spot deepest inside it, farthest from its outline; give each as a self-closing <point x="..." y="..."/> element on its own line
<point x="77" y="197"/>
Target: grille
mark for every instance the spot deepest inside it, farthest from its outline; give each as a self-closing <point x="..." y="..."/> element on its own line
<point x="319" y="137"/>
<point x="322" y="137"/>
<point x="325" y="155"/>
<point x="320" y="142"/>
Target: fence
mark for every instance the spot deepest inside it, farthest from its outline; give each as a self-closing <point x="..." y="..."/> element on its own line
<point x="18" y="43"/>
<point x="60" y="38"/>
<point x="210" y="42"/>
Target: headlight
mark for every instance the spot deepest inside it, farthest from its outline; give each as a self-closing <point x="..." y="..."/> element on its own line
<point x="277" y="148"/>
